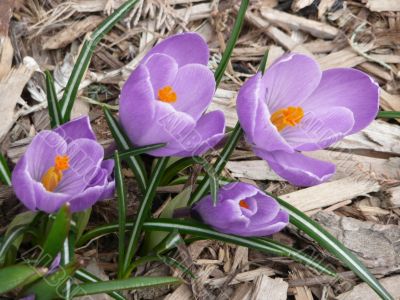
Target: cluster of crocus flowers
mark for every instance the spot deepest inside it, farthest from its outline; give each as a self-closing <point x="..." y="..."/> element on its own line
<point x="64" y="165"/>
<point x="242" y="209"/>
<point x="294" y="107"/>
<point x="165" y="98"/>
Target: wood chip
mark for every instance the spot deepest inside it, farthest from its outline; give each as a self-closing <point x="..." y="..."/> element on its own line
<point x="10" y="90"/>
<point x="376" y="245"/>
<point x="183" y="292"/>
<point x="71" y="33"/>
<point x="315" y="28"/>
<point x="268" y="288"/>
<point x="383" y="5"/>
<point x="300" y="4"/>
<point x="241" y="277"/>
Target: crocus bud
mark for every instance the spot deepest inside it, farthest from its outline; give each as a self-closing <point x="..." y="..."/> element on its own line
<point x="244" y="210"/>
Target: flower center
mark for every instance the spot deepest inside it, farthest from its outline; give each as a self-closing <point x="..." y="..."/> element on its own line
<point x="53" y="176"/>
<point x="244" y="204"/>
<point x="289" y="116"/>
<point x="167" y="94"/>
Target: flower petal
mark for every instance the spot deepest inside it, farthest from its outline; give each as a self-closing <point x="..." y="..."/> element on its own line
<point x="349" y="88"/>
<point x="169" y="126"/>
<point x="298" y="169"/>
<point x="277" y="224"/>
<point x="194" y="86"/>
<point x="209" y="130"/>
<point x="78" y="128"/>
<point x="185" y="48"/>
<point x="254" y="117"/>
<point x="137" y="104"/>
<point x="87" y="198"/>
<point x="162" y="69"/>
<point x="42" y="151"/>
<point x="85" y="157"/>
<point x="290" y="80"/>
<point x="319" y="129"/>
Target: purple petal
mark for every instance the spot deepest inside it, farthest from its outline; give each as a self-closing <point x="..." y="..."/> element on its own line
<point x="42" y="151"/>
<point x="349" y="88"/>
<point x="208" y="132"/>
<point x="254" y="117"/>
<point x="298" y="169"/>
<point x="290" y="80"/>
<point x="267" y="209"/>
<point x="162" y="69"/>
<point x="85" y="157"/>
<point x="319" y="129"/>
<point x="137" y="104"/>
<point x="87" y="198"/>
<point x="276" y="225"/>
<point x="194" y="85"/>
<point x="46" y="201"/>
<point x="78" y="128"/>
<point x="169" y="126"/>
<point x="185" y="48"/>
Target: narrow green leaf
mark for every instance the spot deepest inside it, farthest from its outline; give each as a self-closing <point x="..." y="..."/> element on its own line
<point x="144" y="211"/>
<point x="123" y="143"/>
<point x="81" y="219"/>
<point x="67" y="256"/>
<point x="87" y="277"/>
<point x="177" y="167"/>
<point x="152" y="239"/>
<point x="17" y="276"/>
<point x="139" y="150"/>
<point x="52" y="102"/>
<point x="173" y="263"/>
<point x="331" y="244"/>
<point x="203" y="187"/>
<point x="85" y="55"/>
<point x="183" y="179"/>
<point x="9" y="239"/>
<point x="122" y="284"/>
<point x="5" y="174"/>
<point x="214" y="186"/>
<point x="121" y="193"/>
<point x="237" y="27"/>
<point x="263" y="63"/>
<point x="52" y="286"/>
<point x="58" y="233"/>
<point x="389" y="114"/>
<point x="203" y="231"/>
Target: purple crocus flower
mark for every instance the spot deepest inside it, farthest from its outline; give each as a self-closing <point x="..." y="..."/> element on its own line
<point x="295" y="107"/>
<point x="164" y="99"/>
<point x="64" y="165"/>
<point x="244" y="210"/>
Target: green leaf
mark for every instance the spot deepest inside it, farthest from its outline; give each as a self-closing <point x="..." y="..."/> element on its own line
<point x="389" y="114"/>
<point x="19" y="275"/>
<point x="263" y="63"/>
<point x="331" y="244"/>
<point x="203" y="231"/>
<point x="144" y="210"/>
<point x="10" y="238"/>
<point x="86" y="277"/>
<point x="153" y="238"/>
<point x="85" y="55"/>
<point x="237" y="27"/>
<point x="54" y="242"/>
<point x="5" y="174"/>
<point x="176" y="167"/>
<point x="214" y="186"/>
<point x="52" y="286"/>
<point x="140" y="150"/>
<point x="67" y="256"/>
<point x="121" y="193"/>
<point x="81" y="219"/>
<point x="52" y="102"/>
<point x="203" y="187"/>
<point x="123" y="143"/>
<point x="122" y="284"/>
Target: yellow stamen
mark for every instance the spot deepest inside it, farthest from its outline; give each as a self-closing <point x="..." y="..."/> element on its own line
<point x="167" y="94"/>
<point x="244" y="204"/>
<point x="289" y="116"/>
<point x="53" y="176"/>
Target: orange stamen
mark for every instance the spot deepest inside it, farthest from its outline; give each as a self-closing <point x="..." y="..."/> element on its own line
<point x="167" y="94"/>
<point x="289" y="116"/>
<point x="53" y="176"/>
<point x="244" y="204"/>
